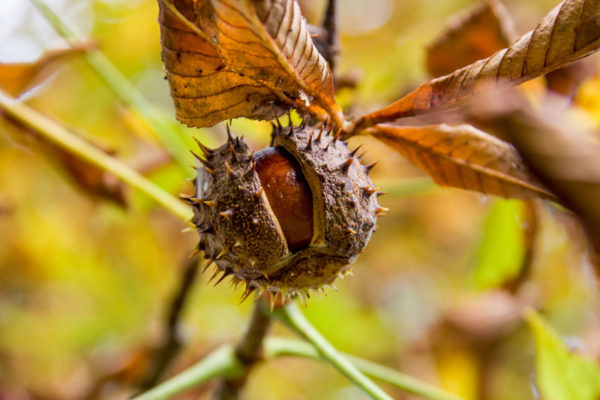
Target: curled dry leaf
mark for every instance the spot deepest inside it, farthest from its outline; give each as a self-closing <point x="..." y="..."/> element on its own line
<point x="487" y="28"/>
<point x="235" y="58"/>
<point x="84" y="175"/>
<point x="463" y="157"/>
<point x="570" y="31"/>
<point x="563" y="155"/>
<point x="17" y="78"/>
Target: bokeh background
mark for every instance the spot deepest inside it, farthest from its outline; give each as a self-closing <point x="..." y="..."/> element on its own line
<point x="85" y="283"/>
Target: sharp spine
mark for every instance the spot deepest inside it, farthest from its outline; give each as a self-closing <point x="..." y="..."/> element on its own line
<point x="233" y="152"/>
<point x="229" y="136"/>
<point x="227" y="213"/>
<point x="208" y="264"/>
<point x="346" y="165"/>
<point x="207" y="151"/>
<point x="353" y="152"/>
<point x="229" y="170"/>
<point x="337" y="135"/>
<point x="369" y="167"/>
<point x="210" y="203"/>
<point x="318" y="139"/>
<point x="226" y="273"/>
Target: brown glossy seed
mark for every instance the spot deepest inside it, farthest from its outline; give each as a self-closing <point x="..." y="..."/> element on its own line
<point x="288" y="194"/>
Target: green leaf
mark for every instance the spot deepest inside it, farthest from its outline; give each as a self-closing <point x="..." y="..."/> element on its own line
<point x="561" y="375"/>
<point x="502" y="248"/>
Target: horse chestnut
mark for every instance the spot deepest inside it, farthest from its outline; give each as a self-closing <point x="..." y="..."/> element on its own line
<point x="287" y="219"/>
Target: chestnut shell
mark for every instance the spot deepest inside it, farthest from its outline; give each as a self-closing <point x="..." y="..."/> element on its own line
<point x="240" y="233"/>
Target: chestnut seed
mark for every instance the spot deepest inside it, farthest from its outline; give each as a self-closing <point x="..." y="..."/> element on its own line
<point x="287" y="219"/>
<point x="288" y="193"/>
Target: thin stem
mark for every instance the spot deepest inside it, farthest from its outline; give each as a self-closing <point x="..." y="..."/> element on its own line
<point x="172" y="341"/>
<point x="248" y="351"/>
<point x="221" y="362"/>
<point x="67" y="140"/>
<point x="330" y="24"/>
<point x="276" y="347"/>
<point x="293" y="317"/>
<point x="123" y="88"/>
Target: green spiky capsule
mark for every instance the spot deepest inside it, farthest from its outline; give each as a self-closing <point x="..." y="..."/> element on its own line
<point x="291" y="217"/>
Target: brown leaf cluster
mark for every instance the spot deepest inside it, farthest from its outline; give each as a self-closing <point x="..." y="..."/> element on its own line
<point x="234" y="58"/>
<point x="231" y="58"/>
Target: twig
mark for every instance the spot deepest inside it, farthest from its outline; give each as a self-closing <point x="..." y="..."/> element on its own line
<point x="124" y="89"/>
<point x="331" y="40"/>
<point x="293" y="317"/>
<point x="172" y="341"/>
<point x="248" y="352"/>
<point x="223" y="362"/>
<point x="217" y="363"/>
<point x="276" y="347"/>
<point x="65" y="139"/>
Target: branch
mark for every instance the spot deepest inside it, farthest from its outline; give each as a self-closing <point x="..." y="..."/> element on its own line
<point x="124" y="89"/>
<point x="331" y="39"/>
<point x="248" y="351"/>
<point x="172" y="341"/>
<point x="293" y="317"/>
<point x="278" y="347"/>
<point x="65" y="139"/>
<point x="221" y="362"/>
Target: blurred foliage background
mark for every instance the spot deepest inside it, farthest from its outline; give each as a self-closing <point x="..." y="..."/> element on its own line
<point x="438" y="293"/>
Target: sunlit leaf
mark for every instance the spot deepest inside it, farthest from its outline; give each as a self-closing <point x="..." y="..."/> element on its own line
<point x="17" y="78"/>
<point x="463" y="157"/>
<point x="561" y="375"/>
<point x="232" y="58"/>
<point x="570" y="31"/>
<point x="502" y="249"/>
<point x="470" y="37"/>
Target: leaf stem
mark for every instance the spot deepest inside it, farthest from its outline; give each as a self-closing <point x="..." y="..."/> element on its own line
<point x="248" y="351"/>
<point x="293" y="317"/>
<point x="76" y="145"/>
<point x="223" y="362"/>
<point x="276" y="347"/>
<point x="124" y="89"/>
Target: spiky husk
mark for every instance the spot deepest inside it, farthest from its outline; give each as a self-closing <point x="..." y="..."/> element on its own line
<point x="241" y="235"/>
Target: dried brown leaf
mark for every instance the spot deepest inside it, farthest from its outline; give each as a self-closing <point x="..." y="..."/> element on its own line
<point x="235" y="58"/>
<point x="481" y="32"/>
<point x="463" y="157"/>
<point x="565" y="156"/>
<point x="86" y="176"/>
<point x="569" y="32"/>
<point x="17" y="78"/>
